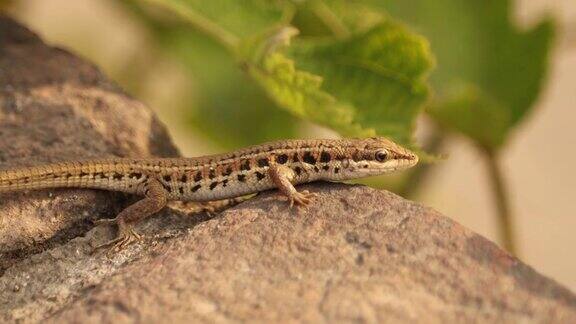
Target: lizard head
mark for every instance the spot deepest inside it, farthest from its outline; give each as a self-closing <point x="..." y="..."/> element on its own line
<point x="374" y="156"/>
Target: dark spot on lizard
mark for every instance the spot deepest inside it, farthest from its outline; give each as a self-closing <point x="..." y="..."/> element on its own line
<point x="212" y="173"/>
<point x="184" y="178"/>
<point x="263" y="162"/>
<point x="325" y="157"/>
<point x="118" y="176"/>
<point x="296" y="158"/>
<point x="99" y="175"/>
<point x="166" y="187"/>
<point x="198" y="176"/>
<point x="245" y="165"/>
<point x="181" y="190"/>
<point x="309" y="158"/>
<point x="195" y="188"/>
<point x="213" y="185"/>
<point x="356" y="156"/>
<point x="316" y="169"/>
<point x="241" y="177"/>
<point x="228" y="171"/>
<point x="336" y="169"/>
<point x="83" y="174"/>
<point x="68" y="175"/>
<point x="167" y="178"/>
<point x="282" y="158"/>
<point x="298" y="170"/>
<point x="326" y="168"/>
<point x="135" y="175"/>
<point x="224" y="182"/>
<point x="260" y="175"/>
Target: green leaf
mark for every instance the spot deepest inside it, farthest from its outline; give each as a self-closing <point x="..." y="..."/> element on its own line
<point x="370" y="83"/>
<point x="379" y="73"/>
<point x="299" y="92"/>
<point x="489" y="71"/>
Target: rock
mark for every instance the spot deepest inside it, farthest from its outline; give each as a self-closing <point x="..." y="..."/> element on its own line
<point x="356" y="255"/>
<point x="54" y="107"/>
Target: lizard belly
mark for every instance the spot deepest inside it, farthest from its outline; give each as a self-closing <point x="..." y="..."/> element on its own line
<point x="222" y="189"/>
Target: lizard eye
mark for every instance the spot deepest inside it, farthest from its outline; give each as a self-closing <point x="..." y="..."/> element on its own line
<point x="381" y="155"/>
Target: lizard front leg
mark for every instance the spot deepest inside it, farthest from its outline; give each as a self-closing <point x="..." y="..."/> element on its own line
<point x="282" y="176"/>
<point x="155" y="200"/>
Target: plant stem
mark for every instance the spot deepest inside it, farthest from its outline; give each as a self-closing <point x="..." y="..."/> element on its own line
<point x="325" y="14"/>
<point x="202" y="24"/>
<point x="505" y="221"/>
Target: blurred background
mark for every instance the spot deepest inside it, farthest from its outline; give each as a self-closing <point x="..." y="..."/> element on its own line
<point x="162" y="55"/>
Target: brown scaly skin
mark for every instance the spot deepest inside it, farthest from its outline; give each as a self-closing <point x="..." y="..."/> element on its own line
<point x="280" y="164"/>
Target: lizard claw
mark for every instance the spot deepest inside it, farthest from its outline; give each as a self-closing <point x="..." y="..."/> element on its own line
<point x="125" y="237"/>
<point x="302" y="199"/>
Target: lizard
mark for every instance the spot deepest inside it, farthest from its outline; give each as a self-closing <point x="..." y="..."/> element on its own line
<point x="280" y="164"/>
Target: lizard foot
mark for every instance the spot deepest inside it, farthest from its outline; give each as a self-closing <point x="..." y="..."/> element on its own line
<point x="126" y="236"/>
<point x="302" y="199"/>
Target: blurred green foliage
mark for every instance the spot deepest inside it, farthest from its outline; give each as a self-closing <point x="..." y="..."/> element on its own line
<point x="489" y="71"/>
<point x="353" y="68"/>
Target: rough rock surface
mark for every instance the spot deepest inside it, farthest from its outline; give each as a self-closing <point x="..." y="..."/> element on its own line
<point x="356" y="255"/>
<point x="55" y="106"/>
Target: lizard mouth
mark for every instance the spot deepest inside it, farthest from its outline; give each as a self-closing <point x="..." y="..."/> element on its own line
<point x="374" y="168"/>
<point x="406" y="161"/>
<point x="392" y="165"/>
